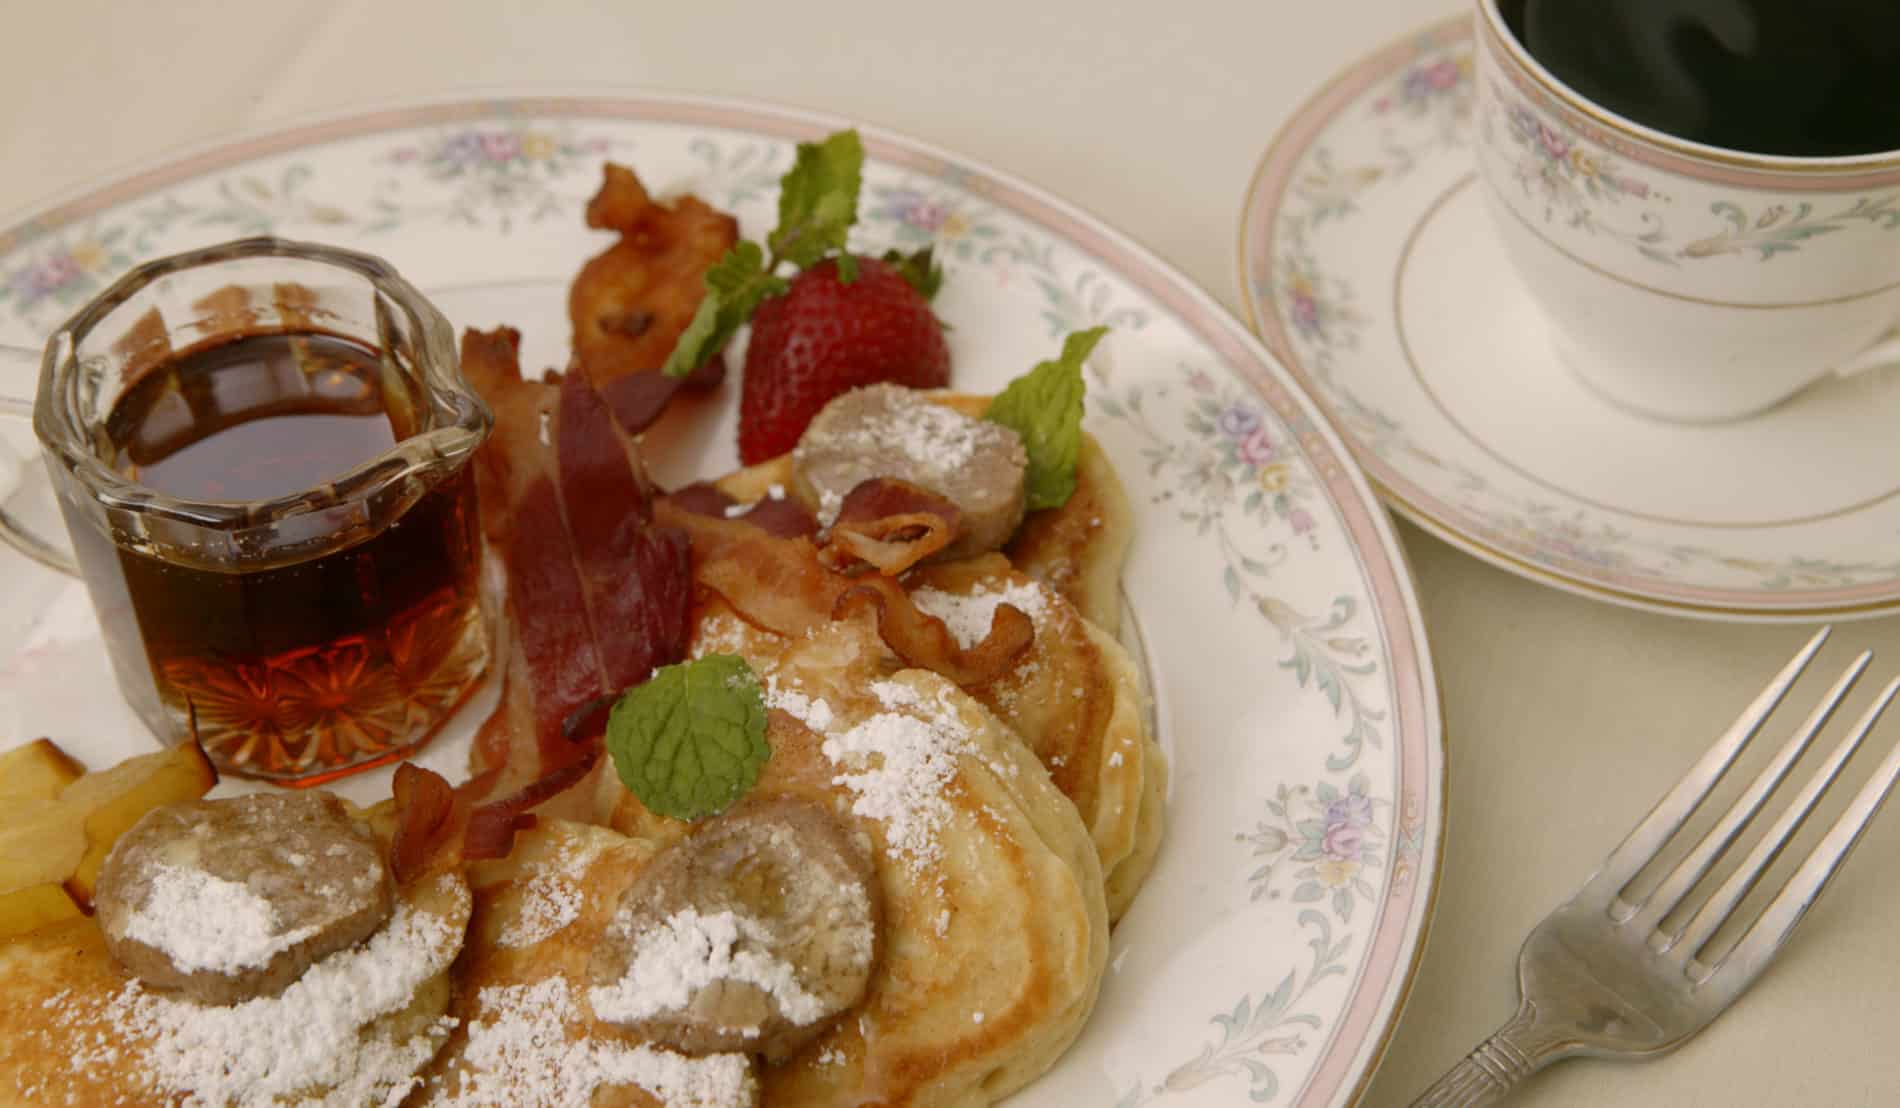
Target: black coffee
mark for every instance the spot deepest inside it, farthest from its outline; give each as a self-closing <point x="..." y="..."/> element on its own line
<point x="1808" y="78"/>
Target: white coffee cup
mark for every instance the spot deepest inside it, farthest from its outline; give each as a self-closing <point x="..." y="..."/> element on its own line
<point x="1684" y="281"/>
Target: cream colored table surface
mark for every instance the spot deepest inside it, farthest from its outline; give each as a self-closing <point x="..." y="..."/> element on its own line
<point x="1566" y="717"/>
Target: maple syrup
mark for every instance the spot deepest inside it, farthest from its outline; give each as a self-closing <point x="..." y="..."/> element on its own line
<point x="303" y="671"/>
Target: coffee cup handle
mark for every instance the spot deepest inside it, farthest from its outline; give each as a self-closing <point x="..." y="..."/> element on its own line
<point x="1885" y="351"/>
<point x="17" y="364"/>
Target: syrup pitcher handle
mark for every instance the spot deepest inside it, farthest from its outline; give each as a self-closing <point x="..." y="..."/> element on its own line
<point x="19" y="369"/>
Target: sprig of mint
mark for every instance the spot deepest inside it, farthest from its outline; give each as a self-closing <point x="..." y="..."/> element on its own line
<point x="1044" y="408"/>
<point x="690" y="740"/>
<point x="817" y="206"/>
<point x="919" y="270"/>
<point x="818" y="203"/>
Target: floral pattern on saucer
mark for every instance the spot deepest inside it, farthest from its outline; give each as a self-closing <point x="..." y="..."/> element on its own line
<point x="1343" y="163"/>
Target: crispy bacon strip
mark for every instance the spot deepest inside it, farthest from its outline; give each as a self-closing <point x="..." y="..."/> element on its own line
<point x="773" y="583"/>
<point x="597" y="595"/>
<point x="629" y="304"/>
<point x="425" y="820"/>
<point x="780" y="585"/>
<point x="784" y="517"/>
<point x="492" y="827"/>
<point x="553" y="662"/>
<point x="923" y="641"/>
<point x="889" y="525"/>
<point x="637" y="577"/>
<point x="639" y="400"/>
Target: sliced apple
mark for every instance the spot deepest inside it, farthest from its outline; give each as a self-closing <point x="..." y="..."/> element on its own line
<point x="23" y="911"/>
<point x="112" y="801"/>
<point x="41" y="847"/>
<point x="36" y="771"/>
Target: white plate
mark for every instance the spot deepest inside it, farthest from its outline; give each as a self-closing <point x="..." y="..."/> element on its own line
<point x="1269" y="954"/>
<point x="1370" y="266"/>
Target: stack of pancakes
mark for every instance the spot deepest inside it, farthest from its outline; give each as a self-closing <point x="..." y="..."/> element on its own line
<point x="1043" y="820"/>
<point x="995" y="930"/>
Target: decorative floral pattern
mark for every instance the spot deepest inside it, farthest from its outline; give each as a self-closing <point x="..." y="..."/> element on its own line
<point x="1236" y="478"/>
<point x="1371" y="146"/>
<point x="1256" y="1030"/>
<point x="920" y="214"/>
<point x="1233" y="470"/>
<point x="501" y="172"/>
<point x="1331" y="837"/>
<point x="1581" y="187"/>
<point x="1423" y="86"/>
<point x="1087" y="299"/>
<point x="737" y="175"/>
<point x="1577" y="185"/>
<point x="67" y="271"/>
<point x="1781" y="228"/>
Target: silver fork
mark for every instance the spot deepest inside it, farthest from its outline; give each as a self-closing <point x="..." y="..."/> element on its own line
<point x="1611" y="973"/>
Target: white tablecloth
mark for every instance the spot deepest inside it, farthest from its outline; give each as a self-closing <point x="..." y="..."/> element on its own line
<point x="1566" y="717"/>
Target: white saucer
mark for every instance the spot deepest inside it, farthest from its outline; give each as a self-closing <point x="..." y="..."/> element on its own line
<point x="1370" y="266"/>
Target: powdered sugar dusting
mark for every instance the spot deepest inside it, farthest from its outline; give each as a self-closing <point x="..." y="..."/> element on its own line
<point x="518" y="1054"/>
<point x="898" y="764"/>
<point x="720" y="634"/>
<point x="813" y="712"/>
<point x="306" y="1038"/>
<point x="203" y="922"/>
<point x="552" y="898"/>
<point x="689" y="951"/>
<point x="968" y="617"/>
<point x="936" y="438"/>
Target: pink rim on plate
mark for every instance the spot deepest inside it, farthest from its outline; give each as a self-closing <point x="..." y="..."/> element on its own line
<point x="1338" y="1061"/>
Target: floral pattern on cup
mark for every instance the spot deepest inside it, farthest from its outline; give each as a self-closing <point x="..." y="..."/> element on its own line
<point x="1584" y="187"/>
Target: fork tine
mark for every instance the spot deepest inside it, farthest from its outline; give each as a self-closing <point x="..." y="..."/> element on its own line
<point x="1710" y="917"/>
<point x="1674" y="809"/>
<point x="1784" y="913"/>
<point x="1696" y="865"/>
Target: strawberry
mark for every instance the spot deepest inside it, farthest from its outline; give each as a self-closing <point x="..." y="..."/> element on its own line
<point x="823" y="337"/>
<point x="839" y="321"/>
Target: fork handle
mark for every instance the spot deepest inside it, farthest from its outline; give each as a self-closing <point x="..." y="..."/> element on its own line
<point x="1512" y="1053"/>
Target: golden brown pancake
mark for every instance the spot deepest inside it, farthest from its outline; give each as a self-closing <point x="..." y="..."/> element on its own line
<point x="524" y="974"/>
<point x="1075" y="699"/>
<point x="1077" y="549"/>
<point x="76" y="1029"/>
<point x="1095" y="745"/>
<point x="996" y="926"/>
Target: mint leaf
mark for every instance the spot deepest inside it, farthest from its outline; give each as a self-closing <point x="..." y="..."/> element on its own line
<point x="734" y="287"/>
<point x="818" y="203"/>
<point x="920" y="270"/>
<point x="690" y="740"/>
<point x="1044" y="407"/>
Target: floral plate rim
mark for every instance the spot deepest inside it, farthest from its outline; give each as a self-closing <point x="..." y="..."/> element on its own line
<point x="1268" y="189"/>
<point x="1390" y="961"/>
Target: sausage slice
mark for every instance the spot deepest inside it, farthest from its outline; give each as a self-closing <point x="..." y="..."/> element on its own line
<point x="892" y="431"/>
<point x="225" y="900"/>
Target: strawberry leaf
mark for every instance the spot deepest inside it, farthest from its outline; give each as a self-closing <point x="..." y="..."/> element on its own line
<point x="919" y="269"/>
<point x="818" y="203"/>
<point x="690" y="740"/>
<point x="734" y="288"/>
<point x="1044" y="407"/>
